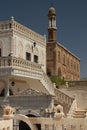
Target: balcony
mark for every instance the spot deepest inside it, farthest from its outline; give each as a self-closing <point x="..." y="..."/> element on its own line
<point x="17" y="66"/>
<point x="13" y="66"/>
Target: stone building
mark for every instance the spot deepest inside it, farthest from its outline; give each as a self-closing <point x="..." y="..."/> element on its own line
<point x="24" y="84"/>
<point x="60" y="61"/>
<point x="23" y="80"/>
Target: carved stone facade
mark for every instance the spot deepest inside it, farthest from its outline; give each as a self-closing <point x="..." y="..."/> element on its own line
<point x="23" y="80"/>
<point x="60" y="61"/>
<point x="24" y="84"/>
<point x="21" y="42"/>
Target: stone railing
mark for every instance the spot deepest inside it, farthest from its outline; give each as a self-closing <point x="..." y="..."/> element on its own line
<point x="47" y="83"/>
<point x="19" y="66"/>
<point x="18" y="63"/>
<point x="63" y="99"/>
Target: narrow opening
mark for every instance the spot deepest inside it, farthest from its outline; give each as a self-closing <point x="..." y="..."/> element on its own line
<point x="35" y="58"/>
<point x="28" y="56"/>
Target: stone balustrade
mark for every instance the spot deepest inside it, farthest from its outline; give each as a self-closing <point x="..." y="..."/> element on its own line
<point x="19" y="64"/>
<point x="47" y="83"/>
<point x="63" y="98"/>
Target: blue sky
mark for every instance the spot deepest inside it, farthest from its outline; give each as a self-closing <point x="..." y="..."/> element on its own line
<point x="71" y="22"/>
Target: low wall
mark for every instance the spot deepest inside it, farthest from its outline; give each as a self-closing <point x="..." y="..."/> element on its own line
<point x="74" y="124"/>
<point x="6" y="124"/>
<point x="64" y="124"/>
<point x="80" y="83"/>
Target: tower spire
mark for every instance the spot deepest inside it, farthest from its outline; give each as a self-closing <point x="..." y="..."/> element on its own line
<point x="52" y="24"/>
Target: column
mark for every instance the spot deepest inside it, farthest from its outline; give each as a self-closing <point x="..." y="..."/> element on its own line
<point x="6" y="88"/>
<point x="12" y="46"/>
<point x="42" y="126"/>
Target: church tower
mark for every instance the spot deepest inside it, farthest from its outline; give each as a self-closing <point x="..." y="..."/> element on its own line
<point x="52" y="25"/>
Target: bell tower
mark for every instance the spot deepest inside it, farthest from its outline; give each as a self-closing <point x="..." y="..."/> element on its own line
<point x="52" y="25"/>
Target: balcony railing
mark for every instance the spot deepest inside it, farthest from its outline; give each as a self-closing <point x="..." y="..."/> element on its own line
<point x="19" y="64"/>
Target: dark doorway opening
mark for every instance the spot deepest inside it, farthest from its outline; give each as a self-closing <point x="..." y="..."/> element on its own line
<point x="2" y="94"/>
<point x="24" y="126"/>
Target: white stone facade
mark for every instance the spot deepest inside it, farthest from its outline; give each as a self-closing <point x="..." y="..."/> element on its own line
<point x="17" y="39"/>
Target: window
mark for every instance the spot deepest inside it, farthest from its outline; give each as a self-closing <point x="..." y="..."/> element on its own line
<point x="35" y="58"/>
<point x="71" y="63"/>
<point x="63" y="59"/>
<point x="68" y="61"/>
<point x="28" y="56"/>
<point x="77" y="67"/>
<point x="58" y="56"/>
<point x="74" y="65"/>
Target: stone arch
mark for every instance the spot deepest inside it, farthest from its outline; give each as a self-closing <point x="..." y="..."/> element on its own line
<point x="23" y="125"/>
<point x="34" y="113"/>
<point x="25" y="119"/>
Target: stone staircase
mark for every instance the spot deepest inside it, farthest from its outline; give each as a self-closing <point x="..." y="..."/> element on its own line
<point x="64" y="100"/>
<point x="47" y="83"/>
<point x="72" y="109"/>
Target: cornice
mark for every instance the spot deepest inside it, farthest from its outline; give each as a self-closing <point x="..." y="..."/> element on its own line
<point x="12" y="25"/>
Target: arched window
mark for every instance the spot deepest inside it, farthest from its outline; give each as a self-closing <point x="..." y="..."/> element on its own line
<point x="58" y="56"/>
<point x="63" y="59"/>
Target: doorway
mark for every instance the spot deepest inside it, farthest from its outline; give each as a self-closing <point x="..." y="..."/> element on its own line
<point x="24" y="126"/>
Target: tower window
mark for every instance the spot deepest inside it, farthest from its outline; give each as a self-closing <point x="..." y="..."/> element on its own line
<point x="58" y="56"/>
<point x="63" y="59"/>
<point x="35" y="58"/>
<point x="28" y="56"/>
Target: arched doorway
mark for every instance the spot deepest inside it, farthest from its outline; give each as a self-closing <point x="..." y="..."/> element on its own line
<point x="24" y="126"/>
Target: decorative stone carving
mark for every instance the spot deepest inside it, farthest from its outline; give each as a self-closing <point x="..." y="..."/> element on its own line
<point x="8" y="112"/>
<point x="58" y="112"/>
